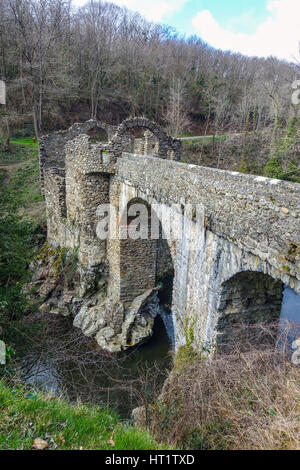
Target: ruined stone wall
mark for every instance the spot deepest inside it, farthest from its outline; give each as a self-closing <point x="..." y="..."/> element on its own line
<point x="72" y="196"/>
<point x="78" y="175"/>
<point x="52" y="147"/>
<point x="87" y="183"/>
<point x="55" y="196"/>
<point x="165" y="147"/>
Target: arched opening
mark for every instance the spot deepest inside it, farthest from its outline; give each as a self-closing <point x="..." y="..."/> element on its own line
<point x="138" y="252"/>
<point x="249" y="312"/>
<point x="142" y="141"/>
<point x="139" y="135"/>
<point x="145" y="261"/>
<point x="97" y="134"/>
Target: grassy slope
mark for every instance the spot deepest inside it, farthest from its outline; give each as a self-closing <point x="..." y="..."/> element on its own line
<point x="22" y="215"/>
<point x="25" y="416"/>
<point x="21" y="212"/>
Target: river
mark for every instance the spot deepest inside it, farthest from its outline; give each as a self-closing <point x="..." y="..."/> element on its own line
<point x="65" y="362"/>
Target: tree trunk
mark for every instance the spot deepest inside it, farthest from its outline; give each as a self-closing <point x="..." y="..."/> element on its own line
<point x="35" y="119"/>
<point x="7" y="139"/>
<point x="7" y="135"/>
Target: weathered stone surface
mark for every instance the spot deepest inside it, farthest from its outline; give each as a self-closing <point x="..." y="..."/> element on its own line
<point x="296" y="354"/>
<point x="248" y="228"/>
<point x="139" y="417"/>
<point x="136" y="326"/>
<point x="296" y="357"/>
<point x="93" y="318"/>
<point x="114" y="328"/>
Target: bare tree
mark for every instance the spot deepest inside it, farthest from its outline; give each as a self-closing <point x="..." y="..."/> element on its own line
<point x="39" y="27"/>
<point x="176" y="115"/>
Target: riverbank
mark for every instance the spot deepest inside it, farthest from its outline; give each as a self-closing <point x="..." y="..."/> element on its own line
<point x="48" y="354"/>
<point x="245" y="401"/>
<point x="241" y="401"/>
<point x="26" y="416"/>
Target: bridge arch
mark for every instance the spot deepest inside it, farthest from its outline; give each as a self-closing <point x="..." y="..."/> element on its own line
<point x="145" y="256"/>
<point x="138" y="252"/>
<point x="248" y="301"/>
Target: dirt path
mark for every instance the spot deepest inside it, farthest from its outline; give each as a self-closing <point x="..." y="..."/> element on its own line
<point x="200" y="137"/>
<point x="9" y="169"/>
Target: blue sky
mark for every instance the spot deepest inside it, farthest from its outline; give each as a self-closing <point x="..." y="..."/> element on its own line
<point x="238" y="16"/>
<point x="252" y="27"/>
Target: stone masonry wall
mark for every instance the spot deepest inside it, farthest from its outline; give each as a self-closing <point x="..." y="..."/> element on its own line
<point x="165" y="147"/>
<point x="203" y="263"/>
<point x="258" y="214"/>
<point x="52" y="147"/>
<point x="137" y="268"/>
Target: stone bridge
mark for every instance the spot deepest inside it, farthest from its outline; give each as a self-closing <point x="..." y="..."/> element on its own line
<point x="227" y="242"/>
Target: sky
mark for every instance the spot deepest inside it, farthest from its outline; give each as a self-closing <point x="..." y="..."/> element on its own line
<point x="252" y="27"/>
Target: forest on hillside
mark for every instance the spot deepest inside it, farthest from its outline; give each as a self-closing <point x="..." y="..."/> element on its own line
<point x="62" y="64"/>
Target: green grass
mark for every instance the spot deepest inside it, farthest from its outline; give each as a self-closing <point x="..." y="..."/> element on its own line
<point x="25" y="416"/>
<point x="21" y="149"/>
<point x="22" y="141"/>
<point x="204" y="140"/>
<point x="23" y="188"/>
<point x="17" y="154"/>
<point x="22" y="215"/>
<point x="186" y="134"/>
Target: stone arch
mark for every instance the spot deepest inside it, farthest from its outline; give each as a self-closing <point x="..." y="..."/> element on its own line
<point x="155" y="141"/>
<point x="137" y="257"/>
<point x="248" y="300"/>
<point x="139" y="266"/>
<point x="98" y="133"/>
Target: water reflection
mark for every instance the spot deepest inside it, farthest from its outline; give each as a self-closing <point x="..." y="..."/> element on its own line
<point x="66" y="362"/>
<point x="73" y="365"/>
<point x="289" y="324"/>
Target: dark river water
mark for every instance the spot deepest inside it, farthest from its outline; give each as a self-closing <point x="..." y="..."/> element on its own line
<point x="124" y="382"/>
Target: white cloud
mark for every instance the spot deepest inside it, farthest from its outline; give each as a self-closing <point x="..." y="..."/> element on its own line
<point x="153" y="10"/>
<point x="278" y="35"/>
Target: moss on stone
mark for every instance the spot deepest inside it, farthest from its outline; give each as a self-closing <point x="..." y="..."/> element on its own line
<point x="48" y="253"/>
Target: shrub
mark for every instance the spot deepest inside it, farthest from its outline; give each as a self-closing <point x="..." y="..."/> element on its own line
<point x="245" y="400"/>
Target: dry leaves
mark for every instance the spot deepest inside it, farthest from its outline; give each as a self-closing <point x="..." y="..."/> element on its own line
<point x="110" y="441"/>
<point x="61" y="438"/>
<point x="39" y="444"/>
